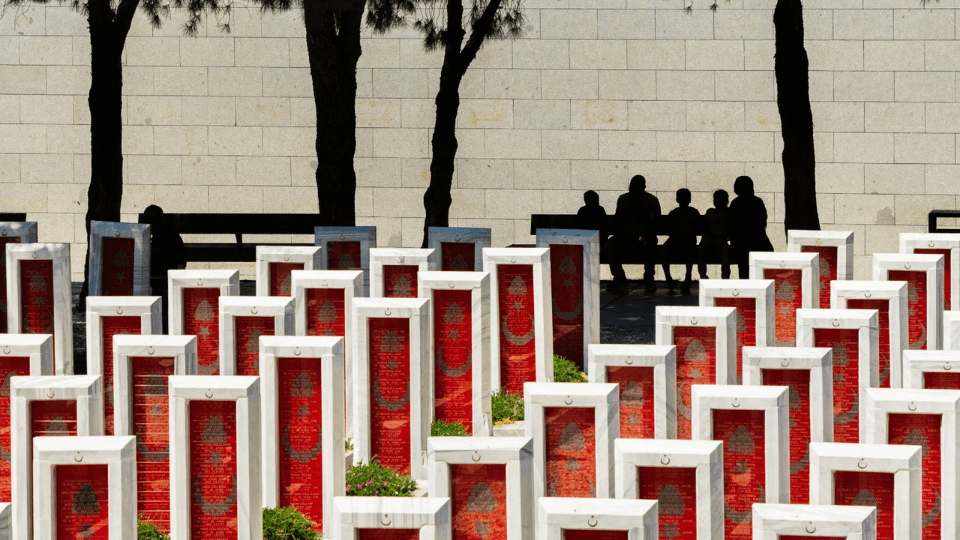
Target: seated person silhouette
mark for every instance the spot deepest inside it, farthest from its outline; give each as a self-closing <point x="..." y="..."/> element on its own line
<point x="166" y="252"/>
<point x="748" y="225"/>
<point x="684" y="225"/>
<point x="593" y="217"/>
<point x="714" y="241"/>
<point x="635" y="221"/>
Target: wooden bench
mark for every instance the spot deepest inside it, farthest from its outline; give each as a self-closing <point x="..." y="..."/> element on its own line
<point x="13" y="216"/>
<point x="935" y="214"/>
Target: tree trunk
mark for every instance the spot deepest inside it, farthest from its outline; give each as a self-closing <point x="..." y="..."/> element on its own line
<point x="437" y="199"/>
<point x="796" y="119"/>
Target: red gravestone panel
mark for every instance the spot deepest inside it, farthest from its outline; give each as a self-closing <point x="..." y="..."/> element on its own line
<point x="916" y="305"/>
<point x="593" y="534"/>
<point x="637" y="419"/>
<point x="457" y="257"/>
<point x="946" y="271"/>
<point x="853" y="488"/>
<point x="109" y="327"/>
<point x="55" y="418"/>
<point x="280" y="277"/>
<point x="152" y="428"/>
<point x="213" y="469"/>
<point x="793" y="537"/>
<point x="390" y="421"/>
<point x="452" y="341"/>
<point x="247" y="330"/>
<point x="343" y="255"/>
<point x="798" y="383"/>
<point x="883" y="307"/>
<point x="3" y="274"/>
<point x="828" y="269"/>
<point x="82" y="503"/>
<point x="518" y="363"/>
<point x="788" y="297"/>
<point x="675" y="490"/>
<point x="10" y="366"/>
<point x="201" y="318"/>
<point x="696" y="364"/>
<point x="744" y="480"/>
<point x="941" y="381"/>
<point x="36" y="297"/>
<point x="566" y="280"/>
<point x="846" y="380"/>
<point x="325" y="312"/>
<point x="388" y="534"/>
<point x="746" y="326"/>
<point x="923" y="430"/>
<point x="571" y="451"/>
<point x="300" y="411"/>
<point x="118" y="257"/>
<point x="400" y="280"/>
<point x="479" y="501"/>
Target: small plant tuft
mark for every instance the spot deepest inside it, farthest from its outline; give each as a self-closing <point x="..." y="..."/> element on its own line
<point x="377" y="480"/>
<point x="348" y="445"/>
<point x="439" y="428"/>
<point x="286" y="523"/>
<point x="566" y="371"/>
<point x="506" y="408"/>
<point x="148" y="531"/>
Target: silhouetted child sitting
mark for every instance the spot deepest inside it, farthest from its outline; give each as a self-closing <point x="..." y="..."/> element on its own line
<point x="684" y="222"/>
<point x="715" y="240"/>
<point x="593" y="217"/>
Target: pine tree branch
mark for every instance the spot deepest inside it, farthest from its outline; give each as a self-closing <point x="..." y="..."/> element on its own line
<point x="481" y="30"/>
<point x="123" y="19"/>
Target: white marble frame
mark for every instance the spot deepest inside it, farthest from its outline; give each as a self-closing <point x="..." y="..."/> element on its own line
<point x="245" y="391"/>
<point x="514" y="452"/>
<point x="148" y="308"/>
<point x="117" y="453"/>
<point x="878" y="403"/>
<point x="704" y="456"/>
<point x="328" y="353"/>
<point x="140" y="233"/>
<point x="26" y="231"/>
<point x="310" y="256"/>
<point x="637" y="516"/>
<point x="774" y="402"/>
<point x="432" y="515"/>
<point x="883" y="263"/>
<point x="234" y="307"/>
<point x="951" y="331"/>
<point x="590" y="240"/>
<point x="417" y="310"/>
<point x="539" y="258"/>
<point x="478" y="283"/>
<point x="367" y="236"/>
<point x="760" y="289"/>
<point x="724" y="319"/>
<point x="770" y="521"/>
<point x="59" y="254"/>
<point x="901" y="461"/>
<point x="228" y="281"/>
<point x="916" y="363"/>
<point x="479" y="237"/>
<point x="896" y="293"/>
<point x="86" y="390"/>
<point x="807" y="263"/>
<point x="663" y="360"/>
<point x="424" y="259"/>
<point x="38" y="347"/>
<point x="842" y="240"/>
<point x="6" y="516"/>
<point x="911" y="241"/>
<point x="603" y="398"/>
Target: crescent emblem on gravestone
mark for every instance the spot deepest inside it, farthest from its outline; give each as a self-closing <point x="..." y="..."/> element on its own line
<point x="210" y="369"/>
<point x="515" y="339"/>
<point x="933" y="515"/>
<point x="571" y="438"/>
<point x="387" y="404"/>
<point x="571" y="314"/>
<point x="5" y="392"/>
<point x="457" y="371"/>
<point x="913" y="297"/>
<point x="885" y="373"/>
<point x="158" y="456"/>
<point x="741" y="323"/>
<point x="458" y="264"/>
<point x="401" y="288"/>
<point x="302" y="456"/>
<point x="825" y="273"/>
<point x="57" y="428"/>
<point x="681" y="406"/>
<point x="746" y="516"/>
<point x="253" y="342"/>
<point x="212" y="508"/>
<point x="850" y="415"/>
<point x="804" y="461"/>
<point x="632" y="395"/>
<point x="481" y="499"/>
<point x="285" y="285"/>
<point x="346" y="262"/>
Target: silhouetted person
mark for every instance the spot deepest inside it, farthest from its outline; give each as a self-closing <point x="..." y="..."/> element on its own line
<point x="684" y="225"/>
<point x="748" y="225"/>
<point x="715" y="240"/>
<point x="166" y="253"/>
<point x="593" y="217"/>
<point x="635" y="220"/>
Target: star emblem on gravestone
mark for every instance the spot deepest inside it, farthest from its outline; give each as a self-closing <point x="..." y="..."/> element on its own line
<point x="482" y="529"/>
<point x="670" y="532"/>
<point x="204" y="332"/>
<point x="39" y="301"/>
<point x="633" y="419"/>
<point x="518" y="305"/>
<point x="303" y="411"/>
<point x="838" y="378"/>
<point x="695" y="374"/>
<point x="454" y="334"/>
<point x="573" y="464"/>
<point x="215" y="458"/>
<point x="121" y="277"/>
<point x="392" y="364"/>
<point x="86" y="531"/>
<point x="156" y="410"/>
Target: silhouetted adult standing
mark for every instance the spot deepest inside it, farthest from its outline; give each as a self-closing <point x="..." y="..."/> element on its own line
<point x="635" y="219"/>
<point x="748" y="225"/>
<point x="166" y="252"/>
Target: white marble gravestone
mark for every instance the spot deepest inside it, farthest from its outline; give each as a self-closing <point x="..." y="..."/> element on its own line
<point x="392" y="419"/>
<point x="346" y="248"/>
<point x="119" y="259"/>
<point x="459" y="345"/>
<point x="499" y="468"/>
<point x="322" y="300"/>
<point x="924" y="277"/>
<point x="835" y="249"/>
<point x="243" y="319"/>
<point x="303" y="424"/>
<point x="833" y="481"/>
<point x="773" y="521"/>
<point x="195" y="310"/>
<point x="686" y="477"/>
<point x="358" y="518"/>
<point x="83" y="485"/>
<point x="6" y="519"/>
<point x="563" y="518"/>
<point x="944" y="244"/>
<point x="40" y="297"/>
<point x="558" y="417"/>
<point x="53" y="406"/>
<point x="275" y="264"/>
<point x="889" y="298"/>
<point x="789" y="271"/>
<point x="459" y="249"/>
<point x="937" y="370"/>
<point x="951" y="331"/>
<point x="647" y="377"/>
<point x="753" y="300"/>
<point x="201" y="410"/>
<point x="12" y="232"/>
<point x="393" y="271"/>
<point x="520" y="313"/>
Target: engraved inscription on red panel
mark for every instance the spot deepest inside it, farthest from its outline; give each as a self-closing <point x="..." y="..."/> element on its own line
<point x="787" y="298"/>
<point x="923" y="430"/>
<point x="152" y="429"/>
<point x="388" y="534"/>
<point x="571" y="450"/>
<point x="846" y="377"/>
<point x="916" y="306"/>
<point x="343" y="255"/>
<point x="828" y="269"/>
<point x="390" y="421"/>
<point x="36" y="297"/>
<point x="798" y="383"/>
<point x="566" y="280"/>
<point x="593" y="534"/>
<point x="746" y="326"/>
<point x="118" y="258"/>
<point x="3" y="289"/>
<point x="325" y="316"/>
<point x="400" y="280"/>
<point x="280" y="277"/>
<point x="113" y="326"/>
<point x="453" y="349"/>
<point x="10" y="366"/>
<point x="675" y="490"/>
<point x="457" y="257"/>
<point x="300" y="412"/>
<point x="478" y="501"/>
<point x="941" y="381"/>
<point x="82" y="503"/>
<point x="946" y="271"/>
<point x="201" y="318"/>
<point x="518" y="358"/>
<point x="637" y="420"/>
<point x="696" y="364"/>
<point x="54" y="418"/>
<point x="883" y="307"/>
<point x="213" y="470"/>
<point x="853" y="488"/>
<point x="744" y="480"/>
<point x="247" y="331"/>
